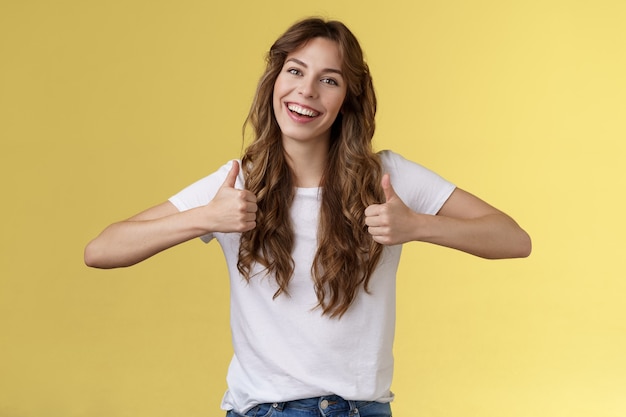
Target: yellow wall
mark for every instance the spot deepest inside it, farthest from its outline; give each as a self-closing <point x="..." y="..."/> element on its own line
<point x="109" y="107"/>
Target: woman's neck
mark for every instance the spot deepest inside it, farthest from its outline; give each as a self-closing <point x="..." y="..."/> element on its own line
<point x="307" y="162"/>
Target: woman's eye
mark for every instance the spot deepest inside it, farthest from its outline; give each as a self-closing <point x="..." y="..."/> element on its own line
<point x="294" y="71"/>
<point x="329" y="81"/>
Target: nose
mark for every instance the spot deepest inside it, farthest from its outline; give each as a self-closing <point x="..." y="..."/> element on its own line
<point x="308" y="87"/>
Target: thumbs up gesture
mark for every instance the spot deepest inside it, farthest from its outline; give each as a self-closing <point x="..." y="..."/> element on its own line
<point x="232" y="210"/>
<point x="389" y="223"/>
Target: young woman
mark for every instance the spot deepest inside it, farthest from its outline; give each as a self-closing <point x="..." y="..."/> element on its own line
<point x="311" y="222"/>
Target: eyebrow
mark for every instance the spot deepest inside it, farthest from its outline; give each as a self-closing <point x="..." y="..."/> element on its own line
<point x="297" y="61"/>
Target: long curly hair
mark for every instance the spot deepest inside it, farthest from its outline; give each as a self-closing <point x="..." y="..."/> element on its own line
<point x="346" y="254"/>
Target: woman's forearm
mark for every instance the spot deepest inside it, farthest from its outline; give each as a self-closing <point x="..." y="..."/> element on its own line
<point x="492" y="236"/>
<point x="131" y="241"/>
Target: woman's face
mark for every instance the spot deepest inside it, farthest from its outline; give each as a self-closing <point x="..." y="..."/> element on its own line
<point x="309" y="91"/>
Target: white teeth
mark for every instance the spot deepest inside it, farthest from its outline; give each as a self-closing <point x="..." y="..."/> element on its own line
<point x="301" y="110"/>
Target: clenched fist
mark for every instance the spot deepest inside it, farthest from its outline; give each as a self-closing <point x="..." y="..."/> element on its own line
<point x="233" y="210"/>
<point x="392" y="222"/>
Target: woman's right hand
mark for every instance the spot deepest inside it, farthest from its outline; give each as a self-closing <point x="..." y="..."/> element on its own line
<point x="163" y="226"/>
<point x="232" y="210"/>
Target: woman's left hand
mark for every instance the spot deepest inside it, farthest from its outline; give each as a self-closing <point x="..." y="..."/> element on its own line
<point x="464" y="222"/>
<point x="388" y="223"/>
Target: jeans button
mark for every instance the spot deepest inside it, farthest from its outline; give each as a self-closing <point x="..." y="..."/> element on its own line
<point x="324" y="404"/>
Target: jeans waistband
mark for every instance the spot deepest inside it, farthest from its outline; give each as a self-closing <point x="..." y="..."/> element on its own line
<point x="327" y="403"/>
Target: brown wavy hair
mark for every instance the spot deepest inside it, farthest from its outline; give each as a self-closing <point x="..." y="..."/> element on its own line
<point x="346" y="254"/>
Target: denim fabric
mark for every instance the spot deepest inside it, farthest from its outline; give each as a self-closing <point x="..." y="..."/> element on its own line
<point x="327" y="406"/>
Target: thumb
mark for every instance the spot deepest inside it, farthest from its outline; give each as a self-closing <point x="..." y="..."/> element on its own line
<point x="387" y="188"/>
<point x="231" y="178"/>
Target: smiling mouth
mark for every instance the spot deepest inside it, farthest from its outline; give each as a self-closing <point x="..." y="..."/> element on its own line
<point x="302" y="111"/>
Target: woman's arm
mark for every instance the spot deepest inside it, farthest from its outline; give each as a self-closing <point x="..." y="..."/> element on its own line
<point x="131" y="241"/>
<point x="464" y="222"/>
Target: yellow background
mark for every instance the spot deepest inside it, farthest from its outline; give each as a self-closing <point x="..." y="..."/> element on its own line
<point x="109" y="107"/>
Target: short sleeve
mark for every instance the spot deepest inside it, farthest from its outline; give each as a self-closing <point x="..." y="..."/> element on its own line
<point x="421" y="189"/>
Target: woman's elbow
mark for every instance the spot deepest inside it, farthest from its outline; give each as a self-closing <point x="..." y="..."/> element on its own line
<point x="516" y="245"/>
<point x="89" y="256"/>
<point x="524" y="245"/>
<point x="93" y="257"/>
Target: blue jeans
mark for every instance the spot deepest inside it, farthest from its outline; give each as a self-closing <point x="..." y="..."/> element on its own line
<point x="327" y="406"/>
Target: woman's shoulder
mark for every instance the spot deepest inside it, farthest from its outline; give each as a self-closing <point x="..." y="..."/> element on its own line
<point x="420" y="188"/>
<point x="396" y="164"/>
<point x="391" y="160"/>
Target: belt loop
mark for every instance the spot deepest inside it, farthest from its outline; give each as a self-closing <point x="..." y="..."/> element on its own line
<point x="353" y="410"/>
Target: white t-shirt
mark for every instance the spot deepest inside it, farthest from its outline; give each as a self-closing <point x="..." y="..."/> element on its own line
<point x="284" y="349"/>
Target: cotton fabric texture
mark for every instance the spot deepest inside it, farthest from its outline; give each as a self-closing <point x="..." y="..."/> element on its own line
<point x="284" y="349"/>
